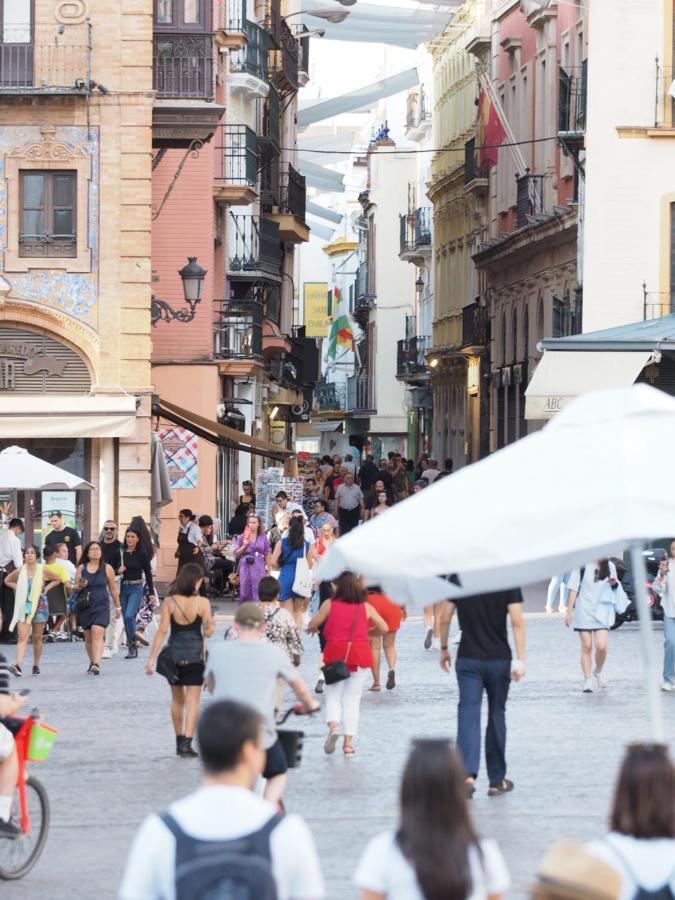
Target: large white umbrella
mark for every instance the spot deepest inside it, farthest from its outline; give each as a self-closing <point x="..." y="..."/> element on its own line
<point x="21" y="471"/>
<point x="595" y="480"/>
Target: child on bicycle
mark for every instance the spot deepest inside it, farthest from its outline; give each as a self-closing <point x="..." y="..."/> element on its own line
<point x="10" y="704"/>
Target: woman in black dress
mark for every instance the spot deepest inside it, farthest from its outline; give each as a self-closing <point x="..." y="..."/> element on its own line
<point x="187" y="616"/>
<point x="93" y="579"/>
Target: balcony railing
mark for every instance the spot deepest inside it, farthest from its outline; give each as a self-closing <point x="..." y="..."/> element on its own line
<point x="284" y="60"/>
<point x="238" y="330"/>
<point x="473" y="168"/>
<point x="529" y="197"/>
<point x="362" y="281"/>
<point x="293" y="192"/>
<point x="304" y="45"/>
<point x="183" y="66"/>
<point x="252" y="59"/>
<point x="360" y="394"/>
<point x="411" y="357"/>
<point x="237" y="155"/>
<point x="415" y="229"/>
<point x="572" y="96"/>
<point x="269" y="118"/>
<point x="44" y="69"/>
<point x="475" y="325"/>
<point x="330" y="396"/>
<point x="254" y="246"/>
<point x="417" y="110"/>
<point x="231" y="15"/>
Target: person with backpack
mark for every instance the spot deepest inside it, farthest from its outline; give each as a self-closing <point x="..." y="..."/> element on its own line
<point x="246" y="849"/>
<point x="641" y="842"/>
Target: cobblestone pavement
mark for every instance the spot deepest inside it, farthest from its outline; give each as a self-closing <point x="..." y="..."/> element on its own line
<point x="114" y="759"/>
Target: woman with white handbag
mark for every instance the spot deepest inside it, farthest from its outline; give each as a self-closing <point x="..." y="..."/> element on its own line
<point x="294" y="557"/>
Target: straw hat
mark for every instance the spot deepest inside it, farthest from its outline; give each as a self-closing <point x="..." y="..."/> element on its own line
<point x="569" y="870"/>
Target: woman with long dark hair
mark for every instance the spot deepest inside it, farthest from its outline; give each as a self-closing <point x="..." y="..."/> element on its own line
<point x="436" y="853"/>
<point x="189" y="540"/>
<point x="346" y="619"/>
<point x="292" y="547"/>
<point x="641" y="843"/>
<point x="591" y="612"/>
<point x="93" y="580"/>
<point x="186" y="617"/>
<point x="150" y="601"/>
<point x="134" y="569"/>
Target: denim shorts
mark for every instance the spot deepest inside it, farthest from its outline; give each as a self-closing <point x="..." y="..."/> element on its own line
<point x="42" y="611"/>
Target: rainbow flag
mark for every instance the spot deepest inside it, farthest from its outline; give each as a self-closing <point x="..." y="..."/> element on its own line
<point x="341" y="334"/>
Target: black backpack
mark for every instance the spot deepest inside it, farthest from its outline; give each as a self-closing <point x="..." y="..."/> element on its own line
<point x="662" y="893"/>
<point x="239" y="869"/>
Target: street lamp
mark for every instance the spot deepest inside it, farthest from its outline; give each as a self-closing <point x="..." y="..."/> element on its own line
<point x="192" y="275"/>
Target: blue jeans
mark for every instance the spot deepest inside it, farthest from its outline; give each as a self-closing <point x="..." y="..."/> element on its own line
<point x="473" y="677"/>
<point x="669" y="649"/>
<point x="130" y="598"/>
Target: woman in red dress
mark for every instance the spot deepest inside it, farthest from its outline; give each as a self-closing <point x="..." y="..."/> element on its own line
<point x="393" y="615"/>
<point x="346" y="619"/>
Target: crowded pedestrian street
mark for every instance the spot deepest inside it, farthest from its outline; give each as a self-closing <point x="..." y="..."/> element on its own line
<point x="114" y="760"/>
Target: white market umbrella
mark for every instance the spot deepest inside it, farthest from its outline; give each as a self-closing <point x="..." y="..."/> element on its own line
<point x="595" y="480"/>
<point x="21" y="471"/>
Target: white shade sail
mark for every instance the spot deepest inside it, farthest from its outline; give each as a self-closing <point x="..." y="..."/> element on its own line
<point x="67" y="415"/>
<point x="323" y="212"/>
<point x="21" y="471"/>
<point x="353" y="100"/>
<point x="561" y="376"/>
<point x="320" y="177"/>
<point x="394" y="25"/>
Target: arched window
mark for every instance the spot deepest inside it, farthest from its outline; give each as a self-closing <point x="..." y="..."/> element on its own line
<point x="514" y="334"/>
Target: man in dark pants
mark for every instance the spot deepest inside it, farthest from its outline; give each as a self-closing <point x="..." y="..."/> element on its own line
<point x="348" y="504"/>
<point x="485" y="663"/>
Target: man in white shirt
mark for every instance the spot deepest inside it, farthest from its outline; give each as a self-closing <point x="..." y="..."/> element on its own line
<point x="11" y="557"/>
<point x="665" y="585"/>
<point x="432" y="471"/>
<point x="349" y="504"/>
<point x="225" y="824"/>
<point x="283" y="507"/>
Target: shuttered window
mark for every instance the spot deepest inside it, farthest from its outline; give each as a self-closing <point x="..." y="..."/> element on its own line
<point x="48" y="207"/>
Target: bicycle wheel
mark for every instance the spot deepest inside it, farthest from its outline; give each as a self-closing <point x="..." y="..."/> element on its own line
<point x="19" y="855"/>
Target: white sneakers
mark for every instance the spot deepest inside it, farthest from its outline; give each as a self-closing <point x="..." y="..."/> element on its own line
<point x="667" y="686"/>
<point x="600" y="679"/>
<point x="588" y="686"/>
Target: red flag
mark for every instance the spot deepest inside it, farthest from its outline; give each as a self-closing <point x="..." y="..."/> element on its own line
<point x="491" y="132"/>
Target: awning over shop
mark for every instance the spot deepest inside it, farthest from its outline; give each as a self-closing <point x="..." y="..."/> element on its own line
<point x="217" y="433"/>
<point x="326" y="426"/>
<point x="67" y="415"/>
<point x="562" y="375"/>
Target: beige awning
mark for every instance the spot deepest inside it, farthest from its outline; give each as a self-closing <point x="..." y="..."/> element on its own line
<point x="561" y="376"/>
<point x="67" y="415"/>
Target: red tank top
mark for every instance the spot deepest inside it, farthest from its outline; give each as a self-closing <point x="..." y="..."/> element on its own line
<point x="337" y="630"/>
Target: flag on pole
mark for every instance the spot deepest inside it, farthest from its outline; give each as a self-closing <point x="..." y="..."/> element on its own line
<point x="341" y="334"/>
<point x="491" y="132"/>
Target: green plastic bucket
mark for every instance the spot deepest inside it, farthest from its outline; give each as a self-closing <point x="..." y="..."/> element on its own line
<point x="41" y="741"/>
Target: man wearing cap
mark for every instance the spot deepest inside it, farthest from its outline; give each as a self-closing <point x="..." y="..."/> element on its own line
<point x="246" y="671"/>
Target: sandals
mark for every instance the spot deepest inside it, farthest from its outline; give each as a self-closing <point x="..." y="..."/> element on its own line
<point x="375" y="687"/>
<point x="331" y="742"/>
<point x="349" y="751"/>
<point x="504" y="787"/>
<point x="391" y="680"/>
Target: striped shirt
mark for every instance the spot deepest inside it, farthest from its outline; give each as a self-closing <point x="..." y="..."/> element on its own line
<point x="4" y="675"/>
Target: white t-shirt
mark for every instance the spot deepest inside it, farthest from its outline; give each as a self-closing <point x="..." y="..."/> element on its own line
<point x="220" y="812"/>
<point x="650" y="860"/>
<point x="431" y="475"/>
<point x="385" y="870"/>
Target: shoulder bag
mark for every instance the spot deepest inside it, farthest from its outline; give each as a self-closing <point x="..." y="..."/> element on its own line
<point x="338" y="670"/>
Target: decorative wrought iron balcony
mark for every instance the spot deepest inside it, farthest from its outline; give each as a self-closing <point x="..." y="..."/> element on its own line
<point x="183" y="66"/>
<point x="330" y="396"/>
<point x="254" y="247"/>
<point x="360" y="393"/>
<point x="415" y="228"/>
<point x="411" y="358"/>
<point x="269" y="119"/>
<point x="293" y="192"/>
<point x="529" y="198"/>
<point x="474" y="169"/>
<point x="252" y="59"/>
<point x="475" y="325"/>
<point x="572" y="97"/>
<point x="238" y="330"/>
<point x="27" y="68"/>
<point x="284" y="60"/>
<point x="237" y="155"/>
<point x="362" y="284"/>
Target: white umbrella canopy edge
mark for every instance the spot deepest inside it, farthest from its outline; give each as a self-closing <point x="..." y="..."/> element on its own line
<point x="20" y="470"/>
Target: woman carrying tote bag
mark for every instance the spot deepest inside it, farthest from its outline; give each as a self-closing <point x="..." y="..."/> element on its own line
<point x="347" y="618"/>
<point x="291" y="548"/>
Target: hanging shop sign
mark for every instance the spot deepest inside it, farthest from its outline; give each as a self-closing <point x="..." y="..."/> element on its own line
<point x="180" y="448"/>
<point x="316" y="308"/>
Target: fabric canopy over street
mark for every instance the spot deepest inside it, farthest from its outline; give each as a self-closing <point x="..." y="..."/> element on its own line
<point x="323" y="212"/>
<point x="67" y="415"/>
<point x="321" y="178"/>
<point x="563" y="375"/>
<point x="217" y="433"/>
<point x="394" y="25"/>
<point x="326" y="426"/>
<point x="363" y="96"/>
<point x="319" y="230"/>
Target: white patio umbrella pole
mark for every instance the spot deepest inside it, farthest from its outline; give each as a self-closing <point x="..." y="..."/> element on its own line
<point x="649" y="650"/>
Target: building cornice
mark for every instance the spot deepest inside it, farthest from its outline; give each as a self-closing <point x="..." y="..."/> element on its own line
<point x="551" y="232"/>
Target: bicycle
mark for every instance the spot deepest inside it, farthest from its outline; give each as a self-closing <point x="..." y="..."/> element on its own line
<point x="30" y="808"/>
